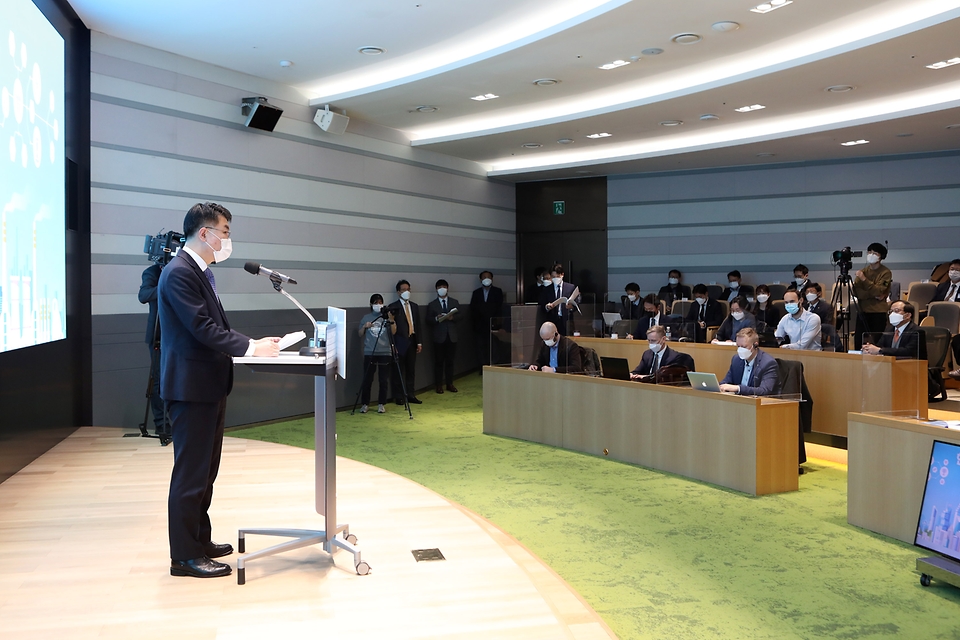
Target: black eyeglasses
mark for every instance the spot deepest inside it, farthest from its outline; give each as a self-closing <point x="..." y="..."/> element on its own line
<point x="226" y="234"/>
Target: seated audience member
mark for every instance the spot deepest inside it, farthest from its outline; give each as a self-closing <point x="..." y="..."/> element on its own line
<point x="903" y="338"/>
<point x="752" y="372"/>
<point x="659" y="355"/>
<point x="558" y="354"/>
<point x="651" y="317"/>
<point x="768" y="315"/>
<point x="799" y="325"/>
<point x="632" y="306"/>
<point x="705" y="313"/>
<point x="674" y="290"/>
<point x="739" y="318"/>
<point x="949" y="290"/>
<point x="801" y="278"/>
<point x="816" y="304"/>
<point x="871" y="285"/>
<point x="376" y="331"/>
<point x="735" y="288"/>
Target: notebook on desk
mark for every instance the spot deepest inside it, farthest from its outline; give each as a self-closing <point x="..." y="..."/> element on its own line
<point x="615" y="368"/>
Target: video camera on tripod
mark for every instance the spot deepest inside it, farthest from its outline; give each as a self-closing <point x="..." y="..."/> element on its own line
<point x="161" y="248"/>
<point x="843" y="258"/>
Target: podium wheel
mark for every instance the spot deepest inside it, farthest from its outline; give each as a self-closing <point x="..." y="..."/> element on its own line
<point x="352" y="539"/>
<point x="924" y="579"/>
<point x="363" y="568"/>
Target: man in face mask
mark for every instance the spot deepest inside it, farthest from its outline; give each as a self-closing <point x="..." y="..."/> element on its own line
<point x="376" y="352"/>
<point x="902" y="340"/>
<point x="659" y="355"/>
<point x="443" y="314"/>
<point x="196" y="375"/>
<point x="486" y="304"/>
<point x="704" y="313"/>
<point x="871" y="285"/>
<point x="949" y="291"/>
<point x="407" y="342"/>
<point x="558" y="353"/>
<point x="752" y="372"/>
<point x="735" y="287"/>
<point x="558" y="312"/>
<point x="799" y="325"/>
<point x="816" y="304"/>
<point x="631" y="307"/>
<point x="801" y="278"/>
<point x="674" y="289"/>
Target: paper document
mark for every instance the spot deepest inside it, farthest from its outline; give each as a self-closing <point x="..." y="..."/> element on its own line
<point x="444" y="316"/>
<point x="572" y="300"/>
<point x="949" y="424"/>
<point x="291" y="339"/>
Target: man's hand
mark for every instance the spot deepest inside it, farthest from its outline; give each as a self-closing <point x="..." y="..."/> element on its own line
<point x="569" y="305"/>
<point x="548" y="370"/>
<point x="730" y="388"/>
<point x="870" y="349"/>
<point x="635" y="376"/>
<point x="629" y="336"/>
<point x="367" y="325"/>
<point x="860" y="275"/>
<point x="267" y="347"/>
<point x="532" y="367"/>
<point x="703" y="325"/>
<point x="419" y="348"/>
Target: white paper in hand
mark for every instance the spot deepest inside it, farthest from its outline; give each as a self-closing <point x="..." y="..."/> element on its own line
<point x="291" y="339"/>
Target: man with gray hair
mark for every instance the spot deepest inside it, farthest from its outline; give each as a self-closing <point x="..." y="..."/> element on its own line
<point x="558" y="354"/>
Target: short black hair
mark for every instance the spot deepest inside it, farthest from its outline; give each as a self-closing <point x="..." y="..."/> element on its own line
<point x="441" y="283"/>
<point x="490" y="272"/>
<point x="376" y="297"/>
<point x="955" y="261"/>
<point x="802" y="268"/>
<point x="557" y="268"/>
<point x="815" y="285"/>
<point x="907" y="308"/>
<point x="675" y="271"/>
<point x="539" y="271"/>
<point x="651" y="298"/>
<point x="734" y="274"/>
<point x="632" y="286"/>
<point x="740" y="301"/>
<point x="763" y="287"/>
<point x="204" y="214"/>
<point x="876" y="247"/>
<point x="700" y="288"/>
<point x="401" y="283"/>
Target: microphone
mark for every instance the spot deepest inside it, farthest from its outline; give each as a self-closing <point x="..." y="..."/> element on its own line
<point x="259" y="270"/>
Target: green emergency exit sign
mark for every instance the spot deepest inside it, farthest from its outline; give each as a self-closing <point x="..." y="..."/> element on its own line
<point x="559" y="207"/>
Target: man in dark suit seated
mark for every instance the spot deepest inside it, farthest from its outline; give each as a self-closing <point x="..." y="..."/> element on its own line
<point x="903" y="339"/>
<point x="196" y="375"/>
<point x="674" y="290"/>
<point x="659" y="355"/>
<point x="652" y="316"/>
<point x="752" y="372"/>
<point x="558" y="354"/>
<point x="486" y="303"/>
<point x="815" y="303"/>
<point x="801" y="278"/>
<point x="632" y="307"/>
<point x="734" y="287"/>
<point x="949" y="289"/>
<point x="705" y="313"/>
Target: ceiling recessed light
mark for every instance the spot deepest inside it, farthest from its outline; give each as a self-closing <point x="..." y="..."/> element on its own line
<point x="485" y="96"/>
<point x="944" y="63"/>
<point x="370" y="51"/>
<point x="709" y="116"/>
<point x="546" y="82"/>
<point x="687" y="38"/>
<point x="765" y="155"/>
<point x="599" y="135"/>
<point x="752" y="107"/>
<point x="767" y="7"/>
<point x="840" y="88"/>
<point x="427" y="108"/>
<point x="531" y="145"/>
<point x="671" y="123"/>
<point x="613" y="65"/>
<point x="853" y="143"/>
<point x="652" y="51"/>
<point x="725" y="26"/>
<point x="953" y="126"/>
<point x="904" y="135"/>
<point x="286" y="63"/>
<point x="565" y="141"/>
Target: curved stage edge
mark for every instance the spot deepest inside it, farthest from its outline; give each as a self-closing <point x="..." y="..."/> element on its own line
<point x="84" y="554"/>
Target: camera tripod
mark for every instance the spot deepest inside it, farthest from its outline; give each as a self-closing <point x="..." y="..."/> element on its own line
<point x="164" y="434"/>
<point x="373" y="364"/>
<point x="844" y="287"/>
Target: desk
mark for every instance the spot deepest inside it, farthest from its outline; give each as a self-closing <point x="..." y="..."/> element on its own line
<point x="747" y="444"/>
<point x="835" y="380"/>
<point x="887" y="462"/>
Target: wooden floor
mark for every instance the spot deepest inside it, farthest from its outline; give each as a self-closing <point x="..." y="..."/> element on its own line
<point x="83" y="554"/>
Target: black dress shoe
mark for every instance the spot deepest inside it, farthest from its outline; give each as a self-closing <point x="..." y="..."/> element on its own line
<point x="414" y="400"/>
<point x="439" y="389"/>
<point x="199" y="568"/>
<point x="214" y="550"/>
<point x="451" y="388"/>
<point x="955" y="374"/>
<point x="400" y="401"/>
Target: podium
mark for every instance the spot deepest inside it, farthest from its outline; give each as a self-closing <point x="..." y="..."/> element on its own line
<point x="324" y="371"/>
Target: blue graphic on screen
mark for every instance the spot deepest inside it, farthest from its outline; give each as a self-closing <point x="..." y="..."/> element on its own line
<point x="939" y="527"/>
<point x="32" y="235"/>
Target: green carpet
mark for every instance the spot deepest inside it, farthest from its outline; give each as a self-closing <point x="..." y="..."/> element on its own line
<point x="656" y="555"/>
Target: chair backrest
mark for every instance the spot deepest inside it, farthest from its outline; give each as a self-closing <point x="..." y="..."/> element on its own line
<point x="681" y="307"/>
<point x="921" y="293"/>
<point x="714" y="291"/>
<point x="928" y="322"/>
<point x="590" y="360"/>
<point x="780" y="305"/>
<point x="726" y="307"/>
<point x="828" y="337"/>
<point x="672" y="374"/>
<point x="777" y="291"/>
<point x="622" y="327"/>
<point x="712" y="333"/>
<point x="938" y="345"/>
<point x="894" y="291"/>
<point x="946" y="315"/>
<point x="906" y="295"/>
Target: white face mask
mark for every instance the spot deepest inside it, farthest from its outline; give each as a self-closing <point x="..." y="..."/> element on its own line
<point x="735" y="285"/>
<point x="376" y="308"/>
<point x="550" y="342"/>
<point x="896" y="318"/>
<point x="655" y="347"/>
<point x="743" y="352"/>
<point x="486" y="282"/>
<point x="702" y="300"/>
<point x="556" y="281"/>
<point x="737" y="315"/>
<point x="762" y="297"/>
<point x="226" y="248"/>
<point x="631" y="297"/>
<point x="954" y="275"/>
<point x="873" y="258"/>
<point x="442" y="291"/>
<point x="799" y="281"/>
<point x="405" y="295"/>
<point x="812" y="297"/>
<point x="674" y="281"/>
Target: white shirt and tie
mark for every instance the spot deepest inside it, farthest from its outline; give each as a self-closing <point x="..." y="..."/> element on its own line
<point x="952" y="292"/>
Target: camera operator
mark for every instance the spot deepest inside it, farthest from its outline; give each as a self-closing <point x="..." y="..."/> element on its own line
<point x="871" y="285"/>
<point x="148" y="296"/>
<point x="376" y="351"/>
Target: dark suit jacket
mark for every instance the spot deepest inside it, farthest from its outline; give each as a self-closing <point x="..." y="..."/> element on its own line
<point x="549" y="294"/>
<point x="823" y="309"/>
<point x="744" y="290"/>
<point x="671" y="294"/>
<point x="568" y="356"/>
<point x="764" y="379"/>
<point x="631" y="311"/>
<point x="400" y="338"/>
<point x="196" y="339"/>
<point x="793" y="287"/>
<point x="771" y="315"/>
<point x="442" y="331"/>
<point x="909" y="346"/>
<point x="941" y="293"/>
<point x="670" y="357"/>
<point x="148" y="296"/>
<point x="714" y="313"/>
<point x="640" y="331"/>
<point x="481" y="311"/>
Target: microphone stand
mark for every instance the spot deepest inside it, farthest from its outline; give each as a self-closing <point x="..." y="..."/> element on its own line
<point x="316" y="349"/>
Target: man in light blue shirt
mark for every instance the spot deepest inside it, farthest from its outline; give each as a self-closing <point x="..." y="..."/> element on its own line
<point x="801" y="326"/>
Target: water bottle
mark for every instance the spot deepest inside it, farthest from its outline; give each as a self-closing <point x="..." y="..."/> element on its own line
<point x="668" y="332"/>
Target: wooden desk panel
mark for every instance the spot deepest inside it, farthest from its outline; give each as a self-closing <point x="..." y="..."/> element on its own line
<point x="835" y="380"/>
<point x="742" y="443"/>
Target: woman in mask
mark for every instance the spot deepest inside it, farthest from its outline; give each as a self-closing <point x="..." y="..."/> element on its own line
<point x="376" y="328"/>
<point x="766" y="313"/>
<point x="739" y="318"/>
<point x="871" y="285"/>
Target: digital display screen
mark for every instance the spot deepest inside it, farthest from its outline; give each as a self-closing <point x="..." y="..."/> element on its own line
<point x="32" y="179"/>
<point x="939" y="526"/>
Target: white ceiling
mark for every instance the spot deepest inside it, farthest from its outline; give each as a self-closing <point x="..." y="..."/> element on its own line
<point x="442" y="52"/>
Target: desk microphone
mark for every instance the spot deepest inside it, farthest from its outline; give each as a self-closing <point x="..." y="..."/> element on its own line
<point x="259" y="270"/>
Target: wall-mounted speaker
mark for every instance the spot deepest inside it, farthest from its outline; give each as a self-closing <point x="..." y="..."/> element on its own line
<point x="331" y="122"/>
<point x="260" y="113"/>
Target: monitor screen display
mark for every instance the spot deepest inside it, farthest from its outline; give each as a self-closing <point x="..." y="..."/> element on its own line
<point x="939" y="526"/>
<point x="32" y="183"/>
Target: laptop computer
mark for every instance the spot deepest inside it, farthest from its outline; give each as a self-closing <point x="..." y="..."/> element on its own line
<point x="610" y="318"/>
<point x="703" y="381"/>
<point x="615" y="368"/>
